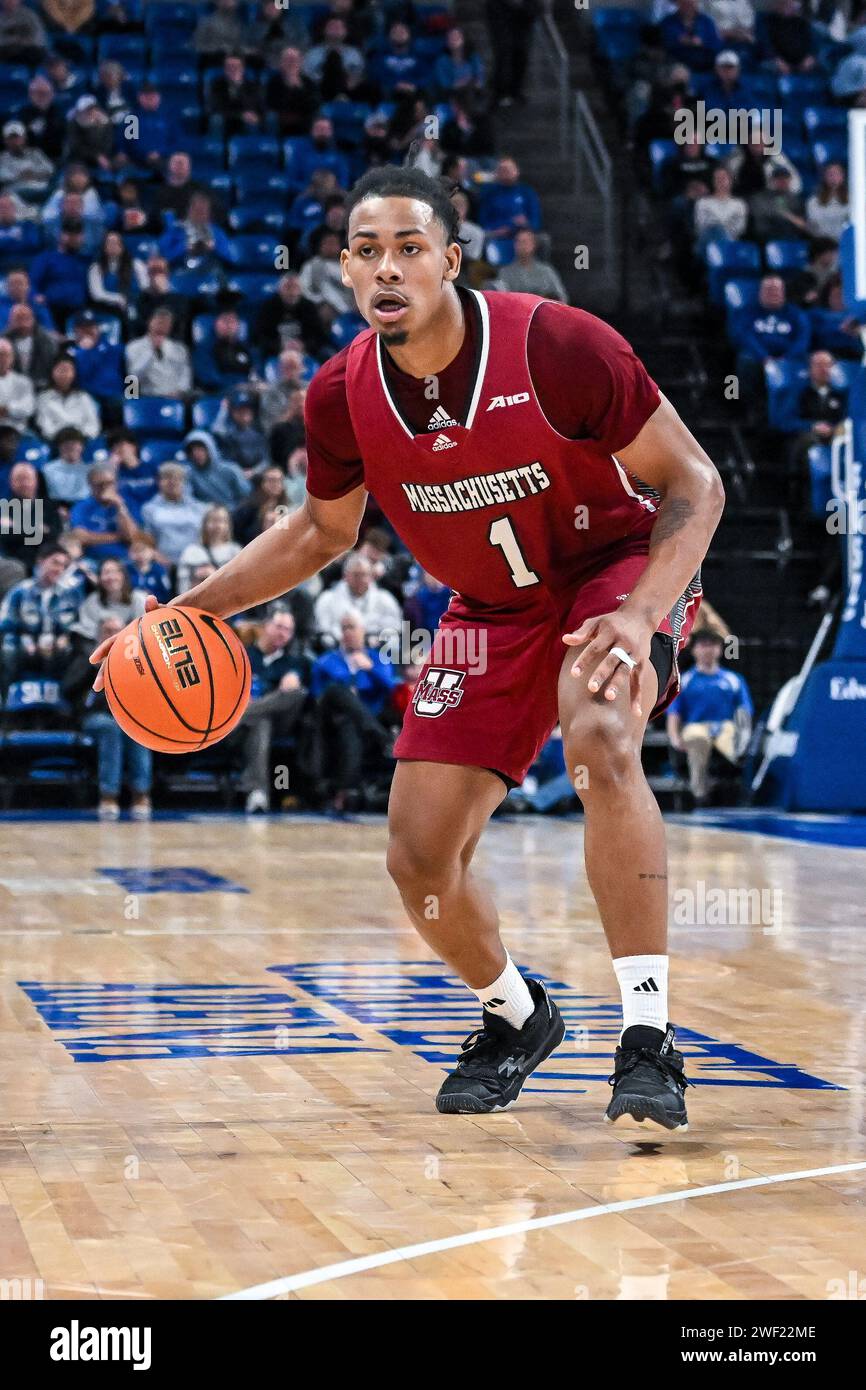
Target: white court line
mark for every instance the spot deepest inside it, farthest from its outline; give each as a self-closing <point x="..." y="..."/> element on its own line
<point x="564" y="1218"/>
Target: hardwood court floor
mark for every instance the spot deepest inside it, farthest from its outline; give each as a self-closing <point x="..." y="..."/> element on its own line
<point x="221" y="1044"/>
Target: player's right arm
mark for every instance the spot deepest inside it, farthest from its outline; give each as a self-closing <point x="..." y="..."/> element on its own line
<point x="292" y="550"/>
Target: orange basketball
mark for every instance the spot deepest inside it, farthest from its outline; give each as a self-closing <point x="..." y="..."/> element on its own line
<point x="177" y="680"/>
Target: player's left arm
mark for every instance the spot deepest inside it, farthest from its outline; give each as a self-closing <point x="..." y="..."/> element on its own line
<point x="666" y="456"/>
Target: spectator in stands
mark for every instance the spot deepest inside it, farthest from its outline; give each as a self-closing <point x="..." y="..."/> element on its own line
<point x="274" y="29"/>
<point x="466" y="130"/>
<point x="528" y="275"/>
<point x="510" y="24"/>
<point x="18" y="290"/>
<point x="321" y="276"/>
<point x="61" y="75"/>
<point x="117" y="752"/>
<point x="288" y="433"/>
<point x="712" y="710"/>
<point x="63" y="402"/>
<point x="690" y="37"/>
<point x="155" y="136"/>
<point x="219" y="32"/>
<point x="281" y="672"/>
<point x="177" y="187"/>
<point x="72" y="16"/>
<point x="471" y="235"/>
<point x="334" y="65"/>
<point x="277" y="397"/>
<point x="160" y="364"/>
<point x="22" y="166"/>
<point x="669" y="94"/>
<point x="827" y="209"/>
<point x="36" y="619"/>
<point x="726" y="89"/>
<point x="357" y="592"/>
<point x="197" y="240"/>
<point x="754" y="166"/>
<point x="102" y="522"/>
<point x="236" y="98"/>
<point x="42" y="118"/>
<point x="408" y="139"/>
<point x="136" y="480"/>
<point x="236" y="431"/>
<point x="322" y="152"/>
<point x="720" y="216"/>
<point x="114" y="92"/>
<point x="132" y="215"/>
<point x="60" y="276"/>
<point x="790" y="39"/>
<point x="76" y="198"/>
<point x="806" y="286"/>
<point x="115" y="278"/>
<point x="27" y="519"/>
<point x="459" y="68"/>
<point x="269" y="494"/>
<point x="427" y="602"/>
<point x="397" y="69"/>
<point x="291" y="94"/>
<point x="225" y="360"/>
<point x="215" y="547"/>
<point x="66" y="476"/>
<point x="777" y="213"/>
<point x="507" y="204"/>
<point x="17" y="400"/>
<point x="34" y="349"/>
<point x="734" y="20"/>
<point x="307" y="209"/>
<point x="352" y="686"/>
<point x="19" y="236"/>
<point x="771" y="329"/>
<point x="144" y="570"/>
<point x="211" y="478"/>
<point x="159" y="293"/>
<point x="288" y="314"/>
<point x="113" y="597"/>
<point x="819" y="409"/>
<point x="90" y="134"/>
<point x="22" y="36"/>
<point x="71" y="209"/>
<point x="296" y="476"/>
<point x="99" y="364"/>
<point x="173" y="516"/>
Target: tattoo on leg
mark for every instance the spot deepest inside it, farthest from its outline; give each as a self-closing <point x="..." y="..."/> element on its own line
<point x="664" y="876"/>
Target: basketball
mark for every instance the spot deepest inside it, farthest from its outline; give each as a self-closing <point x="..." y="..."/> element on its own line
<point x="177" y="680"/>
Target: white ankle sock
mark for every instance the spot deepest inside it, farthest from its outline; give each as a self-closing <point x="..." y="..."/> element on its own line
<point x="508" y="997"/>
<point x="643" y="982"/>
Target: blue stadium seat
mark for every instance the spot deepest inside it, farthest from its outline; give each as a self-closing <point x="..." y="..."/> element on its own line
<point x="254" y="288"/>
<point x="110" y="327"/>
<point x="786" y="256"/>
<point x="172" y="75"/>
<point x="34" y="451"/>
<point x="156" y="415"/>
<point x="796" y="87"/>
<point x="205" y="411"/>
<point x="833" y="150"/>
<point x="661" y="152"/>
<point x="617" y="17"/>
<point x="123" y="48"/>
<point x="784" y="380"/>
<point x="164" y="16"/>
<point x="254" y="151"/>
<point x="740" y="292"/>
<point x="158" y="451"/>
<point x="727" y="258"/>
<point x="346" y="327"/>
<point x="827" y="332"/>
<point x="195" y="283"/>
<point x="36" y="749"/>
<point x="821" y="121"/>
<point x="348" y="119"/>
<point x="255" y="253"/>
<point x="202" y="329"/>
<point x="257" y="217"/>
<point x="256" y="183"/>
<point x="499" y="251"/>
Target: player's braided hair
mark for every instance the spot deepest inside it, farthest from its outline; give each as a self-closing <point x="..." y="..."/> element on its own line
<point x="389" y="181"/>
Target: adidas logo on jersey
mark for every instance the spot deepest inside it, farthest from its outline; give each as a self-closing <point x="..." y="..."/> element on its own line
<point x="443" y="442"/>
<point x="440" y="419"/>
<point x="500" y="402"/>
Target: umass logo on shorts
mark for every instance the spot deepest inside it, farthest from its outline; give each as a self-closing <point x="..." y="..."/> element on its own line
<point x="441" y="689"/>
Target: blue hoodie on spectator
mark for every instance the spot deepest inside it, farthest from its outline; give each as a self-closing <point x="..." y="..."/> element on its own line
<point x="500" y="204"/>
<point x="372" y="687"/>
<point x="220" y="482"/>
<point x="61" y="278"/>
<point x="154" y="580"/>
<point x="782" y="332"/>
<point x="100" y="369"/>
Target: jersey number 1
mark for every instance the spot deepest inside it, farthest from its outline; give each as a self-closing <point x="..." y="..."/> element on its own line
<point x="502" y="533"/>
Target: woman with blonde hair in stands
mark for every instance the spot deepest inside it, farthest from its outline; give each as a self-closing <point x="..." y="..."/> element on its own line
<point x="216" y="547"/>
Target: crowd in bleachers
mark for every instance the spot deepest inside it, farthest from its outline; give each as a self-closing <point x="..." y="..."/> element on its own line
<point x="753" y="211"/>
<point x="173" y="180"/>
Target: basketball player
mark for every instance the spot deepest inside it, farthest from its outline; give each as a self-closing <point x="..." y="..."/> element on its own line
<point x="528" y="461"/>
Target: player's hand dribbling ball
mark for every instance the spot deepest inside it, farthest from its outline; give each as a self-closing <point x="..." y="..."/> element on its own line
<point x="177" y="679"/>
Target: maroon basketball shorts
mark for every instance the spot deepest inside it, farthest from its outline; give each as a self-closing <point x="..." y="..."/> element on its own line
<point x="488" y="695"/>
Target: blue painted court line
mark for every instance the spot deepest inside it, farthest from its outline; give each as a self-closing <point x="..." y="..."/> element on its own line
<point x="845" y="832"/>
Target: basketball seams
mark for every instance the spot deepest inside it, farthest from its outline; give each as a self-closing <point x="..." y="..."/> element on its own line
<point x="215" y="626"/>
<point x="194" y="625"/>
<point x="161" y="688"/>
<point x="187" y="745"/>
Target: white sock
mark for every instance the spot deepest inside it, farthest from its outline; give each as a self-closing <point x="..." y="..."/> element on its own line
<point x="643" y="982"/>
<point x="508" y="996"/>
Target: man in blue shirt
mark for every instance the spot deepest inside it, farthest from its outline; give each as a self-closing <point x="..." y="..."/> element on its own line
<point x="98" y="362"/>
<point x="36" y="617"/>
<point x="353" y="687"/>
<point x="60" y="276"/>
<point x="103" y="522"/>
<point x="690" y="37"/>
<point x="712" y="710"/>
<point x="281" y="679"/>
<point x="771" y="328"/>
<point x="507" y="204"/>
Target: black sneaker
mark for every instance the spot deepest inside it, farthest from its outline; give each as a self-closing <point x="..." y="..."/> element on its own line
<point x="648" y="1080"/>
<point x="497" y="1059"/>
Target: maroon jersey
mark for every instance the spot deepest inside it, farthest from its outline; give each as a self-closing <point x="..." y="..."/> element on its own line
<point x="484" y="490"/>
